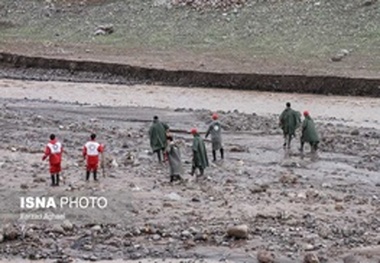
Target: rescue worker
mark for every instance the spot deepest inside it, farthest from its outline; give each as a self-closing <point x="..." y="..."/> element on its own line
<point x="215" y="129"/>
<point x="54" y="151"/>
<point x="309" y="133"/>
<point x="200" y="160"/>
<point x="174" y="157"/>
<point x="157" y="135"/>
<point x="91" y="151"/>
<point x="290" y="120"/>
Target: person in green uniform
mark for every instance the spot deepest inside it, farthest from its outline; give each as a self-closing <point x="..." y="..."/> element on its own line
<point x="174" y="157"/>
<point x="157" y="135"/>
<point x="290" y="120"/>
<point x="309" y="133"/>
<point x="215" y="129"/>
<point x="200" y="160"/>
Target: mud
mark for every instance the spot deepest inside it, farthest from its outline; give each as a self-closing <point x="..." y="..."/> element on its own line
<point x="57" y="69"/>
<point x="292" y="206"/>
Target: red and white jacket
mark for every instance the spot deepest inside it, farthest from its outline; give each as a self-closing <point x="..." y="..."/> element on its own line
<point x="91" y="150"/>
<point x="54" y="151"/>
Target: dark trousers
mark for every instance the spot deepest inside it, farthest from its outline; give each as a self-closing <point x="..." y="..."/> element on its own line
<point x="88" y="175"/>
<point x="54" y="179"/>
<point x="221" y="154"/>
<point x="159" y="153"/>
<point x="287" y="140"/>
<point x="193" y="168"/>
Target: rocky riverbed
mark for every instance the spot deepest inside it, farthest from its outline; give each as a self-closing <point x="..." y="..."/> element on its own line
<point x="258" y="204"/>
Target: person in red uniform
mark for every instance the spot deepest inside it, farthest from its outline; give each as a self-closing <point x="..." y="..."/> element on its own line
<point x="54" y="151"/>
<point x="91" y="151"/>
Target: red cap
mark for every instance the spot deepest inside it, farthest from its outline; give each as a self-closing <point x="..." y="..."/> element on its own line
<point x="215" y="116"/>
<point x="193" y="131"/>
<point x="305" y="113"/>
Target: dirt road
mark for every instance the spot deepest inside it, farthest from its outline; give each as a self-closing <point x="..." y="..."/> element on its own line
<point x="292" y="206"/>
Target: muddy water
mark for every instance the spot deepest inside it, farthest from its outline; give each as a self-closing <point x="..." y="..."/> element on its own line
<point x="355" y="111"/>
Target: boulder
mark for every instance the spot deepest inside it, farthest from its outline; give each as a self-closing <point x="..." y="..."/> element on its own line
<point x="240" y="231"/>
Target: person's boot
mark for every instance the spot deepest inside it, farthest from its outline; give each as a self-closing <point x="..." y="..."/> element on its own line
<point x="222" y="153"/>
<point x="201" y="171"/>
<point x="87" y="176"/>
<point x="171" y="178"/>
<point x="214" y="155"/>
<point x="52" y="179"/>
<point x="95" y="172"/>
<point x="57" y="179"/>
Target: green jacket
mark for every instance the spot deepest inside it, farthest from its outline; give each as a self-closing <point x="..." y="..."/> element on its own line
<point x="199" y="152"/>
<point x="157" y="135"/>
<point x="309" y="133"/>
<point x="290" y="120"/>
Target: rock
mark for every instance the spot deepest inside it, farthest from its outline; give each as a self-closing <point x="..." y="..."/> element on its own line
<point x="339" y="207"/>
<point x="156" y="237"/>
<point x="114" y="163"/>
<point x="369" y="2"/>
<point x="10" y="232"/>
<point x="96" y="228"/>
<point x="93" y="258"/>
<point x="238" y="149"/>
<point x="104" y="30"/>
<point x="288" y="179"/>
<point x="351" y="259"/>
<point x="240" y="231"/>
<point x="355" y="132"/>
<point x="309" y="247"/>
<point x="24" y="186"/>
<point x="200" y="237"/>
<point x="1" y="238"/>
<point x="259" y="189"/>
<point x="173" y="196"/>
<point x="310" y="258"/>
<point x="67" y="225"/>
<point x="39" y="180"/>
<point x="340" y="55"/>
<point x="186" y="233"/>
<point x="195" y="199"/>
<point x="57" y="229"/>
<point x="264" y="256"/>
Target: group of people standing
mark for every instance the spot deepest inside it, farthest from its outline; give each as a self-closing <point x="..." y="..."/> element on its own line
<point x="290" y="121"/>
<point x="163" y="144"/>
<point x="171" y="151"/>
<point x="54" y="150"/>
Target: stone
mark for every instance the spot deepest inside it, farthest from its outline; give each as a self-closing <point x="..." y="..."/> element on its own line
<point x="351" y="259"/>
<point x="355" y="132"/>
<point x="240" y="231"/>
<point x="93" y="258"/>
<point x="39" y="180"/>
<point x="24" y="186"/>
<point x="288" y="179"/>
<point x="339" y="207"/>
<point x="369" y="2"/>
<point x="310" y="258"/>
<point x="10" y="232"/>
<point x="186" y="233"/>
<point x="173" y="196"/>
<point x="156" y="237"/>
<point x="264" y="256"/>
<point x="67" y="225"/>
<point x="96" y="228"/>
<point x="57" y="229"/>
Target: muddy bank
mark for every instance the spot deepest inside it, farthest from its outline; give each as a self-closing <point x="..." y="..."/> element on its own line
<point x="44" y="68"/>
